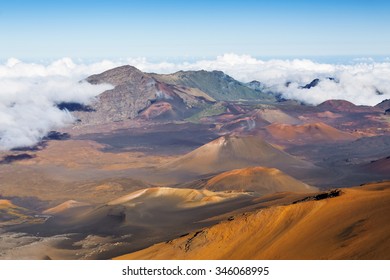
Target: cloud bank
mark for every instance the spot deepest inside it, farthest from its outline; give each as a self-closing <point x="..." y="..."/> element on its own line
<point x="29" y="91"/>
<point x="363" y="82"/>
<point x="29" y="94"/>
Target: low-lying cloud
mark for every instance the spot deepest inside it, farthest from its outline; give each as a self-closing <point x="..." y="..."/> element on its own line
<point x="29" y="91"/>
<point x="29" y="94"/>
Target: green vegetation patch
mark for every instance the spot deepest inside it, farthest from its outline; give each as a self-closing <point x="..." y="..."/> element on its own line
<point x="210" y="110"/>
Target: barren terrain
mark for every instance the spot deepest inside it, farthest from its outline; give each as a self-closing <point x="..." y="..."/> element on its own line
<point x="196" y="165"/>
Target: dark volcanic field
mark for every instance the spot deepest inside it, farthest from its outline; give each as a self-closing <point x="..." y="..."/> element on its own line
<point x="159" y="139"/>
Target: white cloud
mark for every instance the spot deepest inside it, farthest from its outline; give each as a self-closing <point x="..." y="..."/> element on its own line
<point x="28" y="91"/>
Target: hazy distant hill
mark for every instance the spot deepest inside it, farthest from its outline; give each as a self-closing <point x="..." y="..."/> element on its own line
<point x="336" y="105"/>
<point x="216" y="84"/>
<point x="384" y="105"/>
<point x="309" y="132"/>
<point x="138" y="94"/>
<point x="152" y="96"/>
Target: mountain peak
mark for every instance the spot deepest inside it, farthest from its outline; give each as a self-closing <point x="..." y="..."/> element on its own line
<point x="216" y="84"/>
<point x="116" y="76"/>
<point x="232" y="152"/>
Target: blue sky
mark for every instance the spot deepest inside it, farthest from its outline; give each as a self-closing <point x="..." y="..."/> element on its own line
<point x="185" y="29"/>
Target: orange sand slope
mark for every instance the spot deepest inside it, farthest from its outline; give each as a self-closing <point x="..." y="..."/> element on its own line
<point x="181" y="198"/>
<point x="273" y="115"/>
<point x="11" y="214"/>
<point x="310" y="131"/>
<point x="230" y="152"/>
<point x="4" y="204"/>
<point x="258" y="179"/>
<point x="64" y="207"/>
<point x="354" y="225"/>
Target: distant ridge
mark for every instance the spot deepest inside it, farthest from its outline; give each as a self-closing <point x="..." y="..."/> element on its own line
<point x="161" y="97"/>
<point x="134" y="92"/>
<point x="216" y="84"/>
<point x="338" y="105"/>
